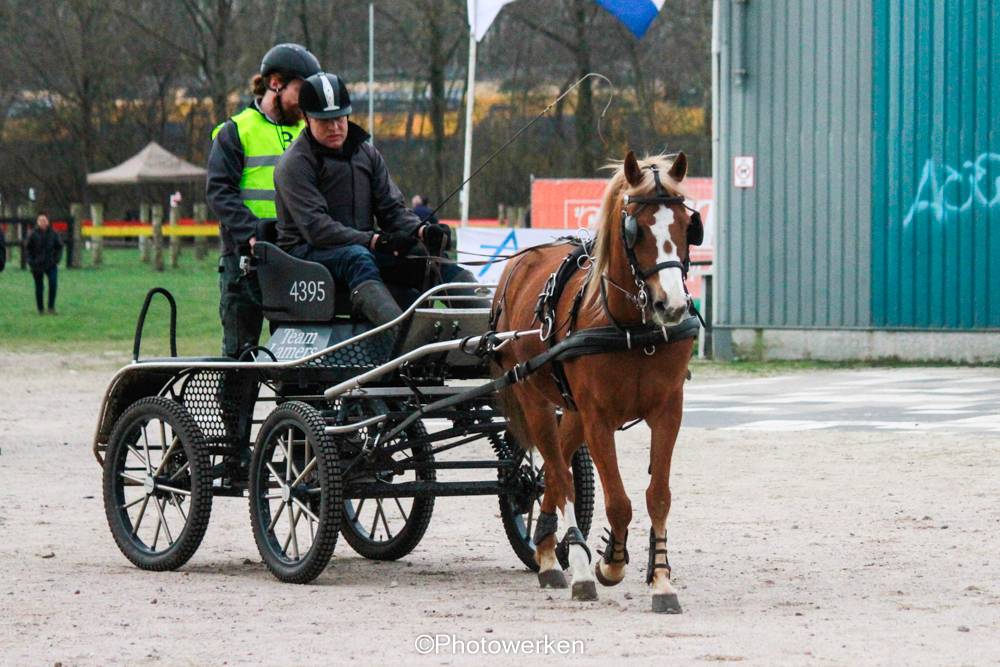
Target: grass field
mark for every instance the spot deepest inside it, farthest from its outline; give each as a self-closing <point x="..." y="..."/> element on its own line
<point x="98" y="307"/>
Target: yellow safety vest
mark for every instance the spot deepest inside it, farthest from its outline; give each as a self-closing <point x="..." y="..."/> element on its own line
<point x="263" y="143"/>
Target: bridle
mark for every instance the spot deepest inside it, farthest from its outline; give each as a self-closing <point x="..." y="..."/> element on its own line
<point x="631" y="235"/>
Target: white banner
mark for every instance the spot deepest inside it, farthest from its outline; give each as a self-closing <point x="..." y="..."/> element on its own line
<point x="495" y="242"/>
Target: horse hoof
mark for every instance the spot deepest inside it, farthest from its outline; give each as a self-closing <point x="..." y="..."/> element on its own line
<point x="666" y="603"/>
<point x="604" y="580"/>
<point x="553" y="578"/>
<point x="584" y="590"/>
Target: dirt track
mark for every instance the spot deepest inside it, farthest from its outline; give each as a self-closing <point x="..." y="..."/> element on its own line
<point x="821" y="547"/>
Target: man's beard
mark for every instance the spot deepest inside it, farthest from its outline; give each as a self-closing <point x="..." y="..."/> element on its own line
<point x="286" y="116"/>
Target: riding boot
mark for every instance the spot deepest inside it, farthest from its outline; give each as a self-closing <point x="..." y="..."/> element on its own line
<point x="465" y="276"/>
<point x="373" y="300"/>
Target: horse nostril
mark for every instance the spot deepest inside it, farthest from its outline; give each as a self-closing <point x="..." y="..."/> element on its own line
<point x="660" y="307"/>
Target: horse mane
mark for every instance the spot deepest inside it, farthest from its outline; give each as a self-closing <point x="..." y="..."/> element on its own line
<point x="610" y="213"/>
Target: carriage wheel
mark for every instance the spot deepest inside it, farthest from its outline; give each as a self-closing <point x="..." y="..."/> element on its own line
<point x="157" y="484"/>
<point x="519" y="509"/>
<point x="295" y="493"/>
<point x="389" y="528"/>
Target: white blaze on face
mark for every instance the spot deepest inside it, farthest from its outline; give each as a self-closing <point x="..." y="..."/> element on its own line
<point x="671" y="279"/>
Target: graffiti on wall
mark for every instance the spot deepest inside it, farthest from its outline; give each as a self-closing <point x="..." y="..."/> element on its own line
<point x="948" y="192"/>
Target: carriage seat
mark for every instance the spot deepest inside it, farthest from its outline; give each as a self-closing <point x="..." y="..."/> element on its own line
<point x="292" y="289"/>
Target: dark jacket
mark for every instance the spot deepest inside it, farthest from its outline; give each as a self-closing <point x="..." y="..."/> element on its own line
<point x="237" y="223"/>
<point x="43" y="250"/>
<point x="329" y="198"/>
<point x="426" y="214"/>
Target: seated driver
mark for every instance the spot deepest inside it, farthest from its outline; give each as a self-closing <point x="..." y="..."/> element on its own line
<point x="332" y="187"/>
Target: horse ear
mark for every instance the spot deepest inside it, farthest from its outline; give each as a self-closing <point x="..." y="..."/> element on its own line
<point x="679" y="169"/>
<point x="632" y="172"/>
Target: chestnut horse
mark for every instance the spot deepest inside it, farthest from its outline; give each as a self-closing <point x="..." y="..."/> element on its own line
<point x="609" y="389"/>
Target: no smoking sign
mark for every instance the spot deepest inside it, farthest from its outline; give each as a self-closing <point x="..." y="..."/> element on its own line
<point x="743" y="176"/>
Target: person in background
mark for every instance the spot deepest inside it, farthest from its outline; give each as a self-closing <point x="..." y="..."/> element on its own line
<point x="422" y="207"/>
<point x="3" y="250"/>
<point x="240" y="184"/>
<point x="43" y="250"/>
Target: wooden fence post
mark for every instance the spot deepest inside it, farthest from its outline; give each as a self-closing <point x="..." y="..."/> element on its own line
<point x="200" y="242"/>
<point x="175" y="239"/>
<point x="156" y="212"/>
<point x="144" y="240"/>
<point x="77" y="212"/>
<point x="97" y="216"/>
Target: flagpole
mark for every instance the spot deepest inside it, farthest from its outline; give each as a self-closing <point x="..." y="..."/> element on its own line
<point x="470" y="101"/>
<point x="371" y="70"/>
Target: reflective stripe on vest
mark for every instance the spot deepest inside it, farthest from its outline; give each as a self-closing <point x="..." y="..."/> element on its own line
<point x="263" y="143"/>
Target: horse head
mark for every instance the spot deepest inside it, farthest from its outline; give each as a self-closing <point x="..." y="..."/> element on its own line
<point x="647" y="224"/>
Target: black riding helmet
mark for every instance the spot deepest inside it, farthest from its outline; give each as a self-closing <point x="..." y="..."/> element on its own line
<point x="290" y="60"/>
<point x="325" y="95"/>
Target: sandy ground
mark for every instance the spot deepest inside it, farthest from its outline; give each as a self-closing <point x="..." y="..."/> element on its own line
<point x="823" y="547"/>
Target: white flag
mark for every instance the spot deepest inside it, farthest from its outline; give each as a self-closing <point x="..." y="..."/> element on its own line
<point x="481" y="15"/>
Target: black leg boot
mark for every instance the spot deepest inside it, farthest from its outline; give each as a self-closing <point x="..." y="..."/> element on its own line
<point x="373" y="300"/>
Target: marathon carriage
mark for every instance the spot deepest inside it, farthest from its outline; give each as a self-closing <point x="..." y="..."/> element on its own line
<point x="364" y="417"/>
<point x="334" y="427"/>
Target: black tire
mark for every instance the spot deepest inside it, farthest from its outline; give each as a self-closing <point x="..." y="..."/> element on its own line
<point x="142" y="454"/>
<point x="394" y="538"/>
<point x="316" y="496"/>
<point x="519" y="510"/>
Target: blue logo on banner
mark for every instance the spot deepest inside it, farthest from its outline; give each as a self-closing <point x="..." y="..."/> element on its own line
<point x="509" y="241"/>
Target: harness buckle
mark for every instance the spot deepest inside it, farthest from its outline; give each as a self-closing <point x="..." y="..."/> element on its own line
<point x="547" y="326"/>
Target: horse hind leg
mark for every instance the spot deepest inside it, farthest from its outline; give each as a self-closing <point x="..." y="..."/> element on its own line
<point x="551" y="442"/>
<point x="574" y="544"/>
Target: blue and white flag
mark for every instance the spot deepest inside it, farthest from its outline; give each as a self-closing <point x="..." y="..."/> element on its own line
<point x="637" y="15"/>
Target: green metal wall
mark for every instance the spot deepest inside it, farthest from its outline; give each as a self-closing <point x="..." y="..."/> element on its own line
<point x="875" y="125"/>
<point x="793" y="89"/>
<point x="936" y="164"/>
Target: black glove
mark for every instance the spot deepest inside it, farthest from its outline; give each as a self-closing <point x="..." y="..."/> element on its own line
<point x="437" y="237"/>
<point x="396" y="243"/>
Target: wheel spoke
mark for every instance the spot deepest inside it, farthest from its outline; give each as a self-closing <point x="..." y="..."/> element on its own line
<point x="139" y="456"/>
<point x="401" y="510"/>
<point x="133" y="478"/>
<point x="277" y="515"/>
<point x="163" y="439"/>
<point x="167" y="456"/>
<point x="145" y="443"/>
<point x="305" y="509"/>
<point x="186" y="466"/>
<point x="277" y="477"/>
<point x="385" y="522"/>
<point x="156" y="535"/>
<point x="163" y="518"/>
<point x="142" y="513"/>
<point x="177" y="505"/>
<point x="173" y="489"/>
<point x="357" y="511"/>
<point x="378" y="508"/>
<point x="134" y="502"/>
<point x="305" y="472"/>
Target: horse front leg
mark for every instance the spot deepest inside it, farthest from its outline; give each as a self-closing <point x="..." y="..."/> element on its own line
<point x="664" y="427"/>
<point x="610" y="570"/>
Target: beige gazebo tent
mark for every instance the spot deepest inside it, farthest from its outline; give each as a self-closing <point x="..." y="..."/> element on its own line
<point x="153" y="164"/>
